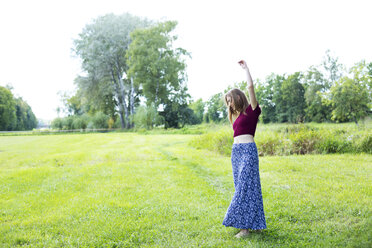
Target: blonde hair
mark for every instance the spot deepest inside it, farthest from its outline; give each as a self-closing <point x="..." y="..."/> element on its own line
<point x="240" y="103"/>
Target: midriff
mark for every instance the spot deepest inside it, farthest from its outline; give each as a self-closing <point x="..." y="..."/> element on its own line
<point x="245" y="138"/>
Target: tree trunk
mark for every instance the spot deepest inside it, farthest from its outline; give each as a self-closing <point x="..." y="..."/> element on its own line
<point x="122" y="96"/>
<point x="131" y="104"/>
<point x="117" y="93"/>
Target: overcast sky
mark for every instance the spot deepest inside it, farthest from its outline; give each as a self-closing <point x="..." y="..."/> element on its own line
<point x="272" y="36"/>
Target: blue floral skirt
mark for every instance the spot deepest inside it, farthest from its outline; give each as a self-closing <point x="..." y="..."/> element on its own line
<point x="246" y="208"/>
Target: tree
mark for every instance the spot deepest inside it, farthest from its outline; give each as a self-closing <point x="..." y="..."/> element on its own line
<point x="316" y="85"/>
<point x="102" y="46"/>
<point x="8" y="120"/>
<point x="362" y="73"/>
<point x="147" y="117"/>
<point x="349" y="100"/>
<point x="159" y="70"/>
<point x="293" y="101"/>
<point x="199" y="108"/>
<point x="153" y="63"/>
<point x="26" y="119"/>
<point x="216" y="109"/>
<point x="269" y="97"/>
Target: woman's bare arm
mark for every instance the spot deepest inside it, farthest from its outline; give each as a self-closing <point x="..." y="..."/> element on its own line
<point x="252" y="95"/>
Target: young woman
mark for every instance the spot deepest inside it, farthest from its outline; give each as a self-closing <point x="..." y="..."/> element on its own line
<point x="246" y="208"/>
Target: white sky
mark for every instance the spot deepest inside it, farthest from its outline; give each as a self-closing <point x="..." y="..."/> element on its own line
<point x="273" y="36"/>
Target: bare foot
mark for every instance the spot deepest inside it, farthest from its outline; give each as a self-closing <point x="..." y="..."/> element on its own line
<point x="242" y="233"/>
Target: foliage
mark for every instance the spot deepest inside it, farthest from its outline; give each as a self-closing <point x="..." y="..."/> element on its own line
<point x="198" y="107"/>
<point x="349" y="100"/>
<point x="147" y="117"/>
<point x="292" y="99"/>
<point x="159" y="70"/>
<point x="216" y="109"/>
<point x="154" y="64"/>
<point x="316" y="109"/>
<point x="15" y="113"/>
<point x="100" y="120"/>
<point x="102" y="46"/>
<point x="8" y="118"/>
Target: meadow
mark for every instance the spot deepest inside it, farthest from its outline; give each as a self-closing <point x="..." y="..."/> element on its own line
<point x="158" y="190"/>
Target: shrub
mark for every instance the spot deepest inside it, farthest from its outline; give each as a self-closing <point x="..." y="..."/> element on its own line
<point x="365" y="144"/>
<point x="80" y="122"/>
<point x="57" y="123"/>
<point x="268" y="143"/>
<point x="304" y="141"/>
<point x="67" y="123"/>
<point x="100" y="120"/>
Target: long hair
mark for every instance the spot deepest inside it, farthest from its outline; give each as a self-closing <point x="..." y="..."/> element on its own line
<point x="240" y="103"/>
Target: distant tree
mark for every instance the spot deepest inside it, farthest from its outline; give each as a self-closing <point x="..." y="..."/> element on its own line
<point x="293" y="100"/>
<point x="57" y="123"/>
<point x="199" y="108"/>
<point x="216" y="109"/>
<point x="176" y="112"/>
<point x="349" y="100"/>
<point x="26" y="120"/>
<point x="362" y="73"/>
<point x="316" y="85"/>
<point x="8" y="119"/>
<point x="147" y="117"/>
<point x="269" y="97"/>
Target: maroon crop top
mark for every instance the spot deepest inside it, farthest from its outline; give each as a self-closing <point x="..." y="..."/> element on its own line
<point x="246" y="124"/>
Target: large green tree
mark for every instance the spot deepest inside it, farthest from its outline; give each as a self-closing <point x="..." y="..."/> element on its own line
<point x="102" y="47"/>
<point x="159" y="70"/>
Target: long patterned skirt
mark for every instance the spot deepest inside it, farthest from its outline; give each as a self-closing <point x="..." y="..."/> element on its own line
<point x="246" y="208"/>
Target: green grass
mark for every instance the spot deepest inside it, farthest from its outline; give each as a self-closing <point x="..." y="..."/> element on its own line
<point x="132" y="190"/>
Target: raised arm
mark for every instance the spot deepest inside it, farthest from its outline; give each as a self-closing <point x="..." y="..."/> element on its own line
<point x="252" y="96"/>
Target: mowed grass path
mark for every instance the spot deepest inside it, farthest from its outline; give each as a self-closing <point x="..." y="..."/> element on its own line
<point x="130" y="190"/>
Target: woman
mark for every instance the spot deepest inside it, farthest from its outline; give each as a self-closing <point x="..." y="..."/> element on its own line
<point x="246" y="208"/>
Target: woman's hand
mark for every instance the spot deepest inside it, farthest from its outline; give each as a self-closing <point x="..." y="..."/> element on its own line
<point x="243" y="64"/>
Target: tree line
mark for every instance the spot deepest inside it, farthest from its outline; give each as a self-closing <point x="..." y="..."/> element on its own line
<point x="15" y="113"/>
<point x="134" y="77"/>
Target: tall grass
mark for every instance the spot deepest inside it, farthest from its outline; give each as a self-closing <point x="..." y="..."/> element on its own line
<point x="288" y="139"/>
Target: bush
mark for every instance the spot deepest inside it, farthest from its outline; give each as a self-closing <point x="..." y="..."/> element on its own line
<point x="365" y="144"/>
<point x="67" y="123"/>
<point x="269" y="143"/>
<point x="80" y="122"/>
<point x="57" y="123"/>
<point x="220" y="141"/>
<point x="304" y="141"/>
<point x="100" y="120"/>
<point x="286" y="139"/>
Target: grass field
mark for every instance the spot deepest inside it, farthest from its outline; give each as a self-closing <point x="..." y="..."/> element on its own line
<point x="132" y="190"/>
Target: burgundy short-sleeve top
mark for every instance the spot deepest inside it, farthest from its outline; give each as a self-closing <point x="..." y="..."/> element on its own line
<point x="246" y="124"/>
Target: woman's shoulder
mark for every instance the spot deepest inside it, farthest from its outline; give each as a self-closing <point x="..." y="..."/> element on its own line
<point x="256" y="109"/>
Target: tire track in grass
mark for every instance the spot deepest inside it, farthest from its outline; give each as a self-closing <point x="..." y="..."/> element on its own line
<point x="215" y="180"/>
